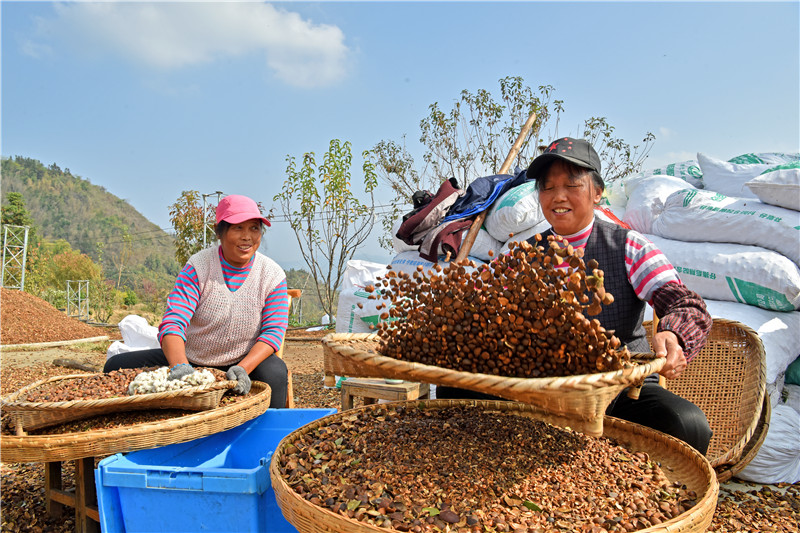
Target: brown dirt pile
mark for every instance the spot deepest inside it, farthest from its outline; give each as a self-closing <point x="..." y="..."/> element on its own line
<point x="28" y="319"/>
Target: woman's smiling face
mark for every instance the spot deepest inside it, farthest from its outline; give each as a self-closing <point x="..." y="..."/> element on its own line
<point x="567" y="195"/>
<point x="240" y="242"/>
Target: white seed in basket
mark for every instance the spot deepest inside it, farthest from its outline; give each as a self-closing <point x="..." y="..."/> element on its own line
<point x="156" y="381"/>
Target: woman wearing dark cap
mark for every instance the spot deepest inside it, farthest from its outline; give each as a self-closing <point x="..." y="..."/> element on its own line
<point x="227" y="310"/>
<point x="569" y="184"/>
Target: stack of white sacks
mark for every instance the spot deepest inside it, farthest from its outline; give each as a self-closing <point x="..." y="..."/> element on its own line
<point x="730" y="228"/>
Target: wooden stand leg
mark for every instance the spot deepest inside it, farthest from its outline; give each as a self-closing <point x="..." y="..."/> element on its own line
<point x="347" y="399"/>
<point x="53" y="483"/>
<point x="86" y="514"/>
<point x="83" y="499"/>
<point x="290" y="392"/>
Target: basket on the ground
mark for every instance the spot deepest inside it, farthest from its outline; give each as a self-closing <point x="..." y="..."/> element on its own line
<point x="727" y="380"/>
<point x="578" y="401"/>
<point x="36" y="415"/>
<point x="679" y="461"/>
<point x="102" y="442"/>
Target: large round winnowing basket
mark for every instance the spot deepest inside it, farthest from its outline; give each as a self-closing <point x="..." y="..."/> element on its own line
<point x="679" y="462"/>
<point x="102" y="442"/>
<point x="727" y="380"/>
<point x="579" y="402"/>
<point x="36" y="415"/>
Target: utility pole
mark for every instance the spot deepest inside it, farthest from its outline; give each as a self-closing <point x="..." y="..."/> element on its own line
<point x="205" y="217"/>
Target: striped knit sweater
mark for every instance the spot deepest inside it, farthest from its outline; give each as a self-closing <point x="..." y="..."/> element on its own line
<point x="221" y="311"/>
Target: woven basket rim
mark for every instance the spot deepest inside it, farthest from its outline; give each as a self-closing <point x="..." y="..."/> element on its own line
<point x="9" y="401"/>
<point x="704" y="507"/>
<point x="102" y="442"/>
<point x="730" y="456"/>
<point x="649" y="364"/>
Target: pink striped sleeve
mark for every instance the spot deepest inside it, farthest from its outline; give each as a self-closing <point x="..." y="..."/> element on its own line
<point x="181" y="304"/>
<point x="648" y="268"/>
<point x="275" y="317"/>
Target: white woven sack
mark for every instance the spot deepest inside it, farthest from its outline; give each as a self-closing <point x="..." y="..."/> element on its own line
<point x="792" y="394"/>
<point x="778" y="186"/>
<point x="398" y="244"/>
<point x="409" y="261"/>
<point x="350" y="318"/>
<point x="774" y="158"/>
<point x="483" y="245"/>
<point x="360" y="273"/>
<point x="777" y="331"/>
<point x="729" y="178"/>
<point x="775" y="390"/>
<point x="515" y="211"/>
<point x="778" y="458"/>
<point x="614" y="194"/>
<point x="702" y="216"/>
<point x="525" y="235"/>
<point x="647" y="201"/>
<point x="689" y="171"/>
<point x="735" y="272"/>
<point x="137" y="333"/>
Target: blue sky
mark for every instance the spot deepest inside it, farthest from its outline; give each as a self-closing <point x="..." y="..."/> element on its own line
<point x="150" y="99"/>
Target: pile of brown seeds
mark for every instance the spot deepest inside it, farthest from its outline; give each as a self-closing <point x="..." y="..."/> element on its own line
<point x="522" y="315"/>
<point x="467" y="469"/>
<point x="113" y="384"/>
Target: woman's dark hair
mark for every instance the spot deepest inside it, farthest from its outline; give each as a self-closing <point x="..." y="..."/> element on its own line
<point x="574" y="171"/>
<point x="222" y="227"/>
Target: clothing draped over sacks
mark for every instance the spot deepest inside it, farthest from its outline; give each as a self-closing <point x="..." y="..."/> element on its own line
<point x="445" y="237"/>
<point x="482" y="193"/>
<point x="413" y="229"/>
<point x="437" y="225"/>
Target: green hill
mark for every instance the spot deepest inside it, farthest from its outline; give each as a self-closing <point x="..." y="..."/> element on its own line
<point x="69" y="207"/>
<point x="91" y="220"/>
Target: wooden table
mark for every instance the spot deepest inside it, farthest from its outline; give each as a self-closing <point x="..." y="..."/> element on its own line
<point x="85" y="447"/>
<point x="373" y="390"/>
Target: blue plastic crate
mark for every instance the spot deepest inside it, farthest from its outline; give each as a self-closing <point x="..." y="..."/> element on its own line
<point x="218" y="483"/>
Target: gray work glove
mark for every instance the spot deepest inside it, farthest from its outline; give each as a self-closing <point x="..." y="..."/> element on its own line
<point x="180" y="370"/>
<point x="237" y="373"/>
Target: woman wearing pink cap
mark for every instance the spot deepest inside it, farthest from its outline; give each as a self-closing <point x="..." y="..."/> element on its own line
<point x="228" y="309"/>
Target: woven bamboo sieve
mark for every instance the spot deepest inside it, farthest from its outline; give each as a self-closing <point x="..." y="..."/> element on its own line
<point x="679" y="462"/>
<point x="727" y="380"/>
<point x="99" y="443"/>
<point x="727" y="471"/>
<point x="37" y="415"/>
<point x="579" y="401"/>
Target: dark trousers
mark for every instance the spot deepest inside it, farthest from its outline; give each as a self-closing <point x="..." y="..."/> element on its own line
<point x="271" y="370"/>
<point x="656" y="408"/>
<point x="660" y="409"/>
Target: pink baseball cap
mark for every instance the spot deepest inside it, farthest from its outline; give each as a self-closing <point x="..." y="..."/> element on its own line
<point x="236" y="208"/>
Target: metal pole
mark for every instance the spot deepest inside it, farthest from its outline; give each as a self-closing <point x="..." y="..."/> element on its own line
<point x="24" y="255"/>
<point x="205" y="219"/>
<point x="5" y="240"/>
<point x="204" y="222"/>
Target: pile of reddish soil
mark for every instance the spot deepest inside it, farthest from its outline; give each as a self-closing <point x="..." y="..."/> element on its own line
<point x="28" y="319"/>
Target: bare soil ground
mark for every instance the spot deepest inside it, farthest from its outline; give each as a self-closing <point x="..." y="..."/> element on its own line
<point x="742" y="507"/>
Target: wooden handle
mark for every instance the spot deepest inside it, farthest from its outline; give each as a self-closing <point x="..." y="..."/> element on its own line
<point x="469" y="240"/>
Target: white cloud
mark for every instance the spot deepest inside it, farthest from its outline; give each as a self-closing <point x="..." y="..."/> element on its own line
<point x="175" y="35"/>
<point x="665" y="133"/>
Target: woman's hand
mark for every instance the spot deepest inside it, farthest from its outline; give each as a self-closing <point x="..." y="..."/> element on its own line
<point x="239" y="374"/>
<point x="666" y="344"/>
